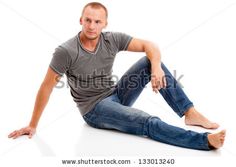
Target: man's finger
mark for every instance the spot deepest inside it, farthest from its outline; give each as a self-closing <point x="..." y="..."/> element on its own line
<point x="12" y="134"/>
<point x="16" y="135"/>
<point x="30" y="135"/>
<point x="21" y="132"/>
<point x="165" y="82"/>
<point x="155" y="90"/>
<point x="159" y="84"/>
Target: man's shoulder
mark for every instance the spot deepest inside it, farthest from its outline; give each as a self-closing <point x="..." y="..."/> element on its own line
<point x="111" y="36"/>
<point x="70" y="43"/>
<point x="67" y="50"/>
<point x="68" y="47"/>
<point x="107" y="35"/>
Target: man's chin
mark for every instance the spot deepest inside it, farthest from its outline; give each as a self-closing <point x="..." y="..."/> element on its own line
<point x="91" y="37"/>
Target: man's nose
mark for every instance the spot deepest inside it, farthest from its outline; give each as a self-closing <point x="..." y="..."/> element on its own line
<point x="92" y="25"/>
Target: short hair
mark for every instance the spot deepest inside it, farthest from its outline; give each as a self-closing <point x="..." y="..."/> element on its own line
<point x="95" y="5"/>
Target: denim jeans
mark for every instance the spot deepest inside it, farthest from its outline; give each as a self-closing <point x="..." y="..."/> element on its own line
<point x="115" y="111"/>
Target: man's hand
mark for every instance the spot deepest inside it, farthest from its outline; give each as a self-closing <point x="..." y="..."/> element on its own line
<point x="158" y="79"/>
<point x="30" y="131"/>
<point x="50" y="80"/>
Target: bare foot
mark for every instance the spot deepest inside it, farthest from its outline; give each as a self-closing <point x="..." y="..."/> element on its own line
<point x="193" y="117"/>
<point x="216" y="140"/>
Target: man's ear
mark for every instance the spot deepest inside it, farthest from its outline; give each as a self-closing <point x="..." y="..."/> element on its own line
<point x="80" y="20"/>
<point x="106" y="24"/>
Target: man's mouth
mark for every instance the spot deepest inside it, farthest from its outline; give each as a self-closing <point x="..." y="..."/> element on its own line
<point x="92" y="33"/>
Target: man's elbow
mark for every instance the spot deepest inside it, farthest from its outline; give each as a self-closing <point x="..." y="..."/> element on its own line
<point x="150" y="47"/>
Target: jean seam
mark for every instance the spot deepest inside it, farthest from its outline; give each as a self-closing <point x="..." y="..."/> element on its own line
<point x="135" y="72"/>
<point x="179" y="112"/>
<point x="171" y="140"/>
<point x="139" y="123"/>
<point x="125" y="94"/>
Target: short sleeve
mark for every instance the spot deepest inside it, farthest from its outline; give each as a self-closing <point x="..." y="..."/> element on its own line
<point x="60" y="61"/>
<point x="122" y="40"/>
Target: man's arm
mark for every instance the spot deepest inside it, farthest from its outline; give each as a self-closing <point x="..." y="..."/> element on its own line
<point x="153" y="53"/>
<point x="42" y="98"/>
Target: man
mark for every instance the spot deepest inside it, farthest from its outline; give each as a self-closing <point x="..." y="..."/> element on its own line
<point x="87" y="61"/>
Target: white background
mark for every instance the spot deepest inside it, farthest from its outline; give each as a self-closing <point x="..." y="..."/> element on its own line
<point x="196" y="38"/>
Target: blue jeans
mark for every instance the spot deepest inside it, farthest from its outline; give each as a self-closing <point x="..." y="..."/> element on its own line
<point x="115" y="111"/>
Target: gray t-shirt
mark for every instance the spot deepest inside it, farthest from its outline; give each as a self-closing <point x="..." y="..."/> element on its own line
<point x="89" y="74"/>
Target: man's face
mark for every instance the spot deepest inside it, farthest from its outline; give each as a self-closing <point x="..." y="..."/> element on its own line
<point x="93" y="21"/>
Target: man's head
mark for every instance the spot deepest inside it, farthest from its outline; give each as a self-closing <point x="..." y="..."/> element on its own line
<point x="93" y="20"/>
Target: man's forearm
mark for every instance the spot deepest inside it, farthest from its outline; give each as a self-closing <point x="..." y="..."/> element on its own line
<point x="154" y="55"/>
<point x="40" y="103"/>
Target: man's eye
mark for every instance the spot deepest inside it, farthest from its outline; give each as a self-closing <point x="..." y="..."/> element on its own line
<point x="97" y="22"/>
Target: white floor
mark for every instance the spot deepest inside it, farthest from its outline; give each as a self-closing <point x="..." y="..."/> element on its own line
<point x="62" y="133"/>
<point x="201" y="48"/>
<point x="68" y="135"/>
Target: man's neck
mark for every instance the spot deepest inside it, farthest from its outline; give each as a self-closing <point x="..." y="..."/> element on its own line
<point x="88" y="44"/>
